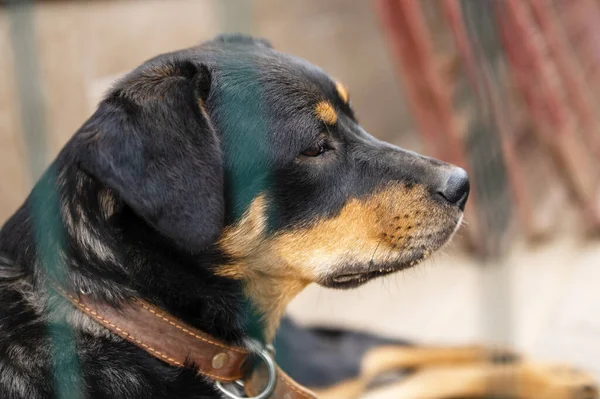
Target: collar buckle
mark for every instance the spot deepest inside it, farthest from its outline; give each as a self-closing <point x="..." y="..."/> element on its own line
<point x="267" y="358"/>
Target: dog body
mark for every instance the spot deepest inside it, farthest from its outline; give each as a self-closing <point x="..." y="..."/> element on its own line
<point x="216" y="183"/>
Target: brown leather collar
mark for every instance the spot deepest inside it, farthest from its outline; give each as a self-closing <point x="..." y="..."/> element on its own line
<point x="172" y="341"/>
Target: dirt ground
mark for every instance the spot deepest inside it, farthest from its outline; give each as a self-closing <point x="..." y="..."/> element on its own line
<point x="553" y="300"/>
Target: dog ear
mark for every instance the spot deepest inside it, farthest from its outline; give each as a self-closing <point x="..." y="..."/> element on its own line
<point x="152" y="142"/>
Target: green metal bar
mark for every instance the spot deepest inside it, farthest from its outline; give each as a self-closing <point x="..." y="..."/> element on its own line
<point x="45" y="207"/>
<point x="236" y="16"/>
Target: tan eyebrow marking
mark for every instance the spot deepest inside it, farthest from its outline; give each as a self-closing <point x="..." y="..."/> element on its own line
<point x="326" y="113"/>
<point x="342" y="91"/>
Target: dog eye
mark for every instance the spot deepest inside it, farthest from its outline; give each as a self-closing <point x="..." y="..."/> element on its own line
<point x="316" y="149"/>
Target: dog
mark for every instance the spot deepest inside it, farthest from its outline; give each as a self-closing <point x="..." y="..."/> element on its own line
<point x="341" y="363"/>
<point x="214" y="183"/>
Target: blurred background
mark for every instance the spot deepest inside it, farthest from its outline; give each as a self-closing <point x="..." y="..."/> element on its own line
<point x="507" y="89"/>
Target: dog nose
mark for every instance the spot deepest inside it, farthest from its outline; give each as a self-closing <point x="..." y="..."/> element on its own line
<point x="456" y="189"/>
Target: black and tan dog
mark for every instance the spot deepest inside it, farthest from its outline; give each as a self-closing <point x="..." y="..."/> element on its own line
<point x="215" y="183"/>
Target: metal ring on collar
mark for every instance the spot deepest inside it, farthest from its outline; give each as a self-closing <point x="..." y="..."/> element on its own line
<point x="266" y="357"/>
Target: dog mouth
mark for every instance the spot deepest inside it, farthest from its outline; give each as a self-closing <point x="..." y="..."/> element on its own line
<point x="354" y="279"/>
<point x="422" y="246"/>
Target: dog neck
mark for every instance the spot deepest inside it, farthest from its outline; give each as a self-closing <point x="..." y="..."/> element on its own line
<point x="269" y="283"/>
<point x="269" y="297"/>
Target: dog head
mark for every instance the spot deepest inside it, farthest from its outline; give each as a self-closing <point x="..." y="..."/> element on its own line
<point x="237" y="146"/>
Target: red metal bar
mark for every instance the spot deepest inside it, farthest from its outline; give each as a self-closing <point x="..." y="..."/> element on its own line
<point x="537" y="78"/>
<point x="506" y="125"/>
<point x="429" y="100"/>
<point x="583" y="33"/>
<point x="546" y="95"/>
<point x="570" y="72"/>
